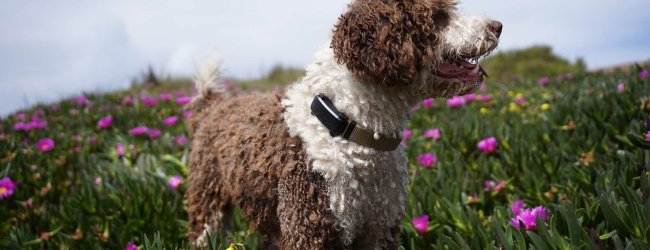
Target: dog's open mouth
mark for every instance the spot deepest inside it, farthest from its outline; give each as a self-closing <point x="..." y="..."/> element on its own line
<point x="461" y="69"/>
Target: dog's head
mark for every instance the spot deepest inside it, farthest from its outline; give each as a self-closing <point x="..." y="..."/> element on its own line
<point x="423" y="42"/>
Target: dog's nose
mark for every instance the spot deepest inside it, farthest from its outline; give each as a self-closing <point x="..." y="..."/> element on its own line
<point x="496" y="27"/>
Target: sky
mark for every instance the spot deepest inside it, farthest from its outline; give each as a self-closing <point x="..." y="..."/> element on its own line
<point x="57" y="49"/>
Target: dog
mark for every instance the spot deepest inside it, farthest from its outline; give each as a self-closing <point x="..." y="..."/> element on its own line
<point x="320" y="165"/>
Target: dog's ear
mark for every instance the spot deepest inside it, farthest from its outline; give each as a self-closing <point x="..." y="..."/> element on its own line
<point x="389" y="41"/>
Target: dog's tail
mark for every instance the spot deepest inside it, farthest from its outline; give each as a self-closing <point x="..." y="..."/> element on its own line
<point x="208" y="77"/>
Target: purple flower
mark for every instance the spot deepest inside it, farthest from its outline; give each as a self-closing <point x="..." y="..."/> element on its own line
<point x="174" y="182"/>
<point x="20" y="126"/>
<point x="520" y="100"/>
<point x="183" y="100"/>
<point x="165" y="96"/>
<point x="148" y="101"/>
<point x="421" y="223"/>
<point x="620" y="87"/>
<point x="187" y="114"/>
<point x="181" y="140"/>
<point x="516" y="207"/>
<point x="485" y="98"/>
<point x="128" y="101"/>
<point x="407" y="134"/>
<point x="120" y="150"/>
<point x="154" y="133"/>
<point x="131" y="246"/>
<point x="432" y="133"/>
<point x="7" y="187"/>
<point x="98" y="181"/>
<point x="644" y="74"/>
<point x="427" y="103"/>
<point x="488" y="145"/>
<point x="427" y="160"/>
<point x="647" y="136"/>
<point x="81" y="100"/>
<point x="528" y="217"/>
<point x="105" y="122"/>
<point x="21" y="116"/>
<point x="493" y="186"/>
<point x="45" y="145"/>
<point x="470" y="97"/>
<point x="139" y="131"/>
<point x="456" y="101"/>
<point x="170" y="121"/>
<point x="543" y="81"/>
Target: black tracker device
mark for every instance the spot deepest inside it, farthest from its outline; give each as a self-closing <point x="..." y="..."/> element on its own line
<point x="336" y="122"/>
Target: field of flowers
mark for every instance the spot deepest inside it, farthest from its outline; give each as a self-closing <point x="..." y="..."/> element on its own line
<point x="558" y="162"/>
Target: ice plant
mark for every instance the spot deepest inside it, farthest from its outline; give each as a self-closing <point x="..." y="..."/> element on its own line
<point x="516" y="207"/>
<point x="148" y="101"/>
<point x="427" y="103"/>
<point x="407" y="134"/>
<point x="183" y="100"/>
<point x="486" y="98"/>
<point x="181" y="140"/>
<point x="620" y="87"/>
<point x="456" y="101"/>
<point x="120" y="150"/>
<point x="543" y="81"/>
<point x="128" y="101"/>
<point x="170" y="121"/>
<point x="131" y="246"/>
<point x="45" y="145"/>
<point x="647" y="136"/>
<point x="470" y="97"/>
<point x="644" y="74"/>
<point x="105" y="122"/>
<point x="98" y="180"/>
<point x="493" y="186"/>
<point x="174" y="182"/>
<point x="427" y="160"/>
<point x="421" y="223"/>
<point x="529" y="218"/>
<point x="81" y="100"/>
<point x="488" y="145"/>
<point x="432" y="133"/>
<point x="154" y="133"/>
<point x="139" y="131"/>
<point x="7" y="187"/>
<point x="165" y="96"/>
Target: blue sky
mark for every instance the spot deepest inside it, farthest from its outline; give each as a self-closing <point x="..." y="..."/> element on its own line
<point x="53" y="50"/>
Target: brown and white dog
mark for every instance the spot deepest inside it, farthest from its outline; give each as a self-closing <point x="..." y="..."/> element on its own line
<point x="295" y="183"/>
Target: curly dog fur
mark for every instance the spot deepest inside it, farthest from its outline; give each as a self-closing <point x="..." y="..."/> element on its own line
<point x="297" y="185"/>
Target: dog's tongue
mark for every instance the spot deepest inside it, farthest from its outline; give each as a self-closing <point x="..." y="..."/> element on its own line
<point x="461" y="70"/>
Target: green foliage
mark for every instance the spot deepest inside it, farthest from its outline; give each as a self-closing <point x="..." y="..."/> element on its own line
<point x="576" y="146"/>
<point x="277" y="77"/>
<point x="535" y="62"/>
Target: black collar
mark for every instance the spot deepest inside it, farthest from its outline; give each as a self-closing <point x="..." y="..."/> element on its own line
<point x="338" y="124"/>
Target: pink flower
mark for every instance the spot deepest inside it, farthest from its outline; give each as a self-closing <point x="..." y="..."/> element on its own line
<point x="432" y="133"/>
<point x="485" y="98"/>
<point x="644" y="74"/>
<point x="148" y="101"/>
<point x="154" y="133"/>
<point x="131" y="246"/>
<point x="128" y="101"/>
<point x="45" y="145"/>
<point x="81" y="100"/>
<point x="181" y="140"/>
<point x="183" y="100"/>
<point x="7" y="187"/>
<point x="569" y="76"/>
<point x="165" y="96"/>
<point x="170" y="121"/>
<point x="421" y="224"/>
<point x="98" y="180"/>
<point x="120" y="150"/>
<point x="427" y="103"/>
<point x="488" y="145"/>
<point x="21" y="116"/>
<point x="105" y="122"/>
<point x="427" y="160"/>
<point x="470" y="97"/>
<point x="174" y="182"/>
<point x="187" y="114"/>
<point x="456" y="101"/>
<point x="529" y="218"/>
<point x="493" y="186"/>
<point x="543" y="81"/>
<point x="28" y="203"/>
<point x="139" y="130"/>
<point x="647" y="136"/>
<point x="407" y="134"/>
<point x="520" y="100"/>
<point x="516" y="207"/>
